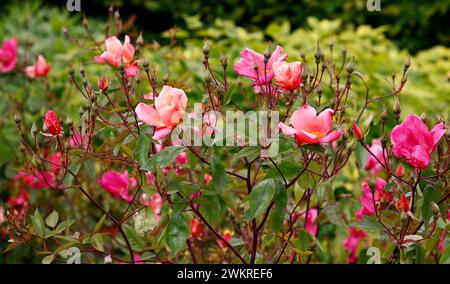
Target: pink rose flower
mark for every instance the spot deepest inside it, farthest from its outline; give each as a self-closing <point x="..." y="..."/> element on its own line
<point x="116" y="52"/>
<point x="52" y="123"/>
<point x="8" y="55"/>
<point x="311" y="227"/>
<point x="288" y="75"/>
<point x="170" y="106"/>
<point x="412" y="141"/>
<point x="366" y="199"/>
<point x="310" y="128"/>
<point x="39" y="69"/>
<point x="264" y="74"/>
<point x="118" y="184"/>
<point x="352" y="242"/>
<point x="372" y="164"/>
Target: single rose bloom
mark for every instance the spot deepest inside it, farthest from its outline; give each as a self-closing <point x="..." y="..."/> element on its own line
<point x="264" y="74"/>
<point x="288" y="76"/>
<point x="196" y="228"/>
<point x="116" y="52"/>
<point x="39" y="69"/>
<point x="372" y="164"/>
<point x="52" y="123"/>
<point x="413" y="142"/>
<point x="310" y="128"/>
<point x="8" y="55"/>
<point x="368" y="208"/>
<point x="118" y="184"/>
<point x="170" y="106"/>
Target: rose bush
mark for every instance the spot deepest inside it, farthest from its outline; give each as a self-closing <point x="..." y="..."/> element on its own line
<point x="125" y="185"/>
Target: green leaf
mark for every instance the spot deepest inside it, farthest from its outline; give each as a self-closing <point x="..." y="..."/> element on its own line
<point x="52" y="219"/>
<point x="361" y="155"/>
<point x="289" y="168"/>
<point x="144" y="222"/>
<point x="142" y="148"/>
<point x="210" y="206"/>
<point x="280" y="208"/>
<point x="219" y="176"/>
<point x="177" y="233"/>
<point x="164" y="158"/>
<point x="135" y="241"/>
<point x="99" y="223"/>
<point x="261" y="197"/>
<point x="445" y="257"/>
<point x="38" y="223"/>
<point x="97" y="242"/>
<point x="48" y="259"/>
<point x="430" y="194"/>
<point x="250" y="152"/>
<point x="368" y="223"/>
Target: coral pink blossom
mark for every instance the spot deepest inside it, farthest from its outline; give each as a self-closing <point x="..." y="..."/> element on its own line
<point x="413" y="142"/>
<point x="170" y="106"/>
<point x="207" y="178"/>
<point x="264" y="74"/>
<point x="288" y="76"/>
<point x="52" y="123"/>
<point x="366" y="199"/>
<point x="118" y="184"/>
<point x="196" y="228"/>
<point x="8" y="55"/>
<point x="372" y="164"/>
<point x="116" y="52"/>
<point x="39" y="69"/>
<point x="352" y="242"/>
<point x="310" y="128"/>
<point x="400" y="171"/>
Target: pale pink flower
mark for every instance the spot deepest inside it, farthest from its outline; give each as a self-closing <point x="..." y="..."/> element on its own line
<point x="310" y="128"/>
<point x="39" y="69"/>
<point x="413" y="142"/>
<point x="288" y="76"/>
<point x="116" y="52"/>
<point x="264" y="74"/>
<point x="207" y="178"/>
<point x="170" y="106"/>
<point x="118" y="184"/>
<point x="8" y="55"/>
<point x="372" y="164"/>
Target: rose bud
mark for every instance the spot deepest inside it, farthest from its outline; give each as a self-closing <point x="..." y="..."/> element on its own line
<point x="400" y="170"/>
<point x="403" y="204"/>
<point x="103" y="84"/>
<point x="357" y="132"/>
<point x="196" y="228"/>
<point x="52" y="123"/>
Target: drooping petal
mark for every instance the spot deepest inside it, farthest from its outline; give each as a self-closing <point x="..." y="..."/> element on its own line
<point x="289" y="131"/>
<point x="334" y="135"/>
<point x="148" y="115"/>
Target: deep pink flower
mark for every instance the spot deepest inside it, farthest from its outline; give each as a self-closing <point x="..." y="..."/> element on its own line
<point x="310" y="128"/>
<point x="357" y="132"/>
<point x="264" y="74"/>
<point x="39" y="69"/>
<point x="372" y="164"/>
<point x="52" y="123"/>
<point x="38" y="181"/>
<point x="20" y="202"/>
<point x="400" y="171"/>
<point x="196" y="228"/>
<point x="8" y="55"/>
<point x="118" y="184"/>
<point x="403" y="203"/>
<point x="170" y="106"/>
<point x="288" y="76"/>
<point x="55" y="163"/>
<point x="366" y="199"/>
<point x="352" y="242"/>
<point x="311" y="227"/>
<point x="412" y="141"/>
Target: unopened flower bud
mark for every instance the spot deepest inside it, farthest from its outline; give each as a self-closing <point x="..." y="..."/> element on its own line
<point x="423" y="117"/>
<point x="206" y="49"/>
<point x="436" y="210"/>
<point x="140" y="40"/>
<point x="71" y="71"/>
<point x="166" y="78"/>
<point x="305" y="74"/>
<point x="69" y="122"/>
<point x="22" y="149"/>
<point x="372" y="184"/>
<point x="344" y="52"/>
<point x="318" y="54"/>
<point x="267" y="54"/>
<point x="85" y="21"/>
<point x="384" y="116"/>
<point x="82" y="71"/>
<point x="357" y="132"/>
<point x="407" y="64"/>
<point x="400" y="171"/>
<point x="103" y="84"/>
<point x="17" y="118"/>
<point x="350" y="68"/>
<point x="223" y="60"/>
<point x="34" y="129"/>
<point x="397" y="109"/>
<point x="255" y="67"/>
